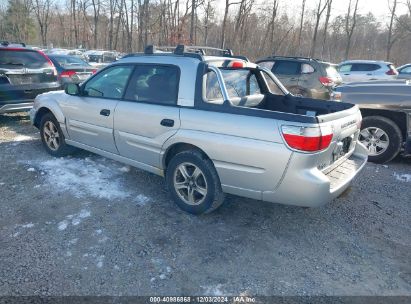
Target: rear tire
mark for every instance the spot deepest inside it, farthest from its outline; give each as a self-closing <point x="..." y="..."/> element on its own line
<point x="194" y="183"/>
<point x="52" y="136"/>
<point x="382" y="137"/>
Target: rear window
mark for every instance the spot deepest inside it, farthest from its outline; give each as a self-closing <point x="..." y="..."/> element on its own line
<point x="240" y="83"/>
<point x="287" y="68"/>
<point x="26" y="59"/>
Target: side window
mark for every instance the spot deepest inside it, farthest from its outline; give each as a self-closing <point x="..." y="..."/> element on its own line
<point x="307" y="68"/>
<point x="364" y="67"/>
<point x="406" y="70"/>
<point x="267" y="64"/>
<point x="285" y="67"/>
<point x="212" y="90"/>
<point x="345" y="68"/>
<point x="109" y="83"/>
<point x="155" y="84"/>
<point x="274" y="88"/>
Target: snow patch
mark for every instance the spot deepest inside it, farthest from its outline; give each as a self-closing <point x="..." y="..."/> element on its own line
<point x="76" y="219"/>
<point x="62" y="225"/>
<point x="403" y="177"/>
<point x="2" y="184"/>
<point x="31" y="170"/>
<point x="125" y="169"/>
<point x="213" y="290"/>
<point x="100" y="262"/>
<point x="142" y="199"/>
<point x="29" y="225"/>
<point x="19" y="138"/>
<point x="84" y="177"/>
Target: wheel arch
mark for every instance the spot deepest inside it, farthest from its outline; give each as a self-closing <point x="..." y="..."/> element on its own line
<point x="399" y="118"/>
<point x="178" y="147"/>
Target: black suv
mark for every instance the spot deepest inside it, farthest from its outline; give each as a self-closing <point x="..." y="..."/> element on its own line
<point x="24" y="73"/>
<point x="302" y="76"/>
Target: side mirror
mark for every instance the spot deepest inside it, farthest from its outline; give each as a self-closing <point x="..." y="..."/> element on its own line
<point x="72" y="89"/>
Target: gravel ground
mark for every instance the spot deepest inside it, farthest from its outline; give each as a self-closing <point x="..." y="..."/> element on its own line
<point x="86" y="225"/>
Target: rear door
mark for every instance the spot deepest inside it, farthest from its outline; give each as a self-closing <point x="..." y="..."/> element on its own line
<point x="90" y="117"/>
<point x="149" y="114"/>
<point x="288" y="72"/>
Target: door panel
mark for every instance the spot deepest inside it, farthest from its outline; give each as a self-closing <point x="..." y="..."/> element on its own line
<point x="139" y="131"/>
<point x="86" y="125"/>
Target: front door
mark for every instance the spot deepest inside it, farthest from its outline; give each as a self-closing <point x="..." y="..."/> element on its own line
<point x="90" y="116"/>
<point x="149" y="114"/>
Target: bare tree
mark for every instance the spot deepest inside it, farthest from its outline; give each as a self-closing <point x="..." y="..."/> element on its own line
<point x="41" y="9"/>
<point x="224" y="25"/>
<point x="350" y="24"/>
<point x="391" y="40"/>
<point x="327" y="21"/>
<point x="319" y="12"/>
<point x="301" y="26"/>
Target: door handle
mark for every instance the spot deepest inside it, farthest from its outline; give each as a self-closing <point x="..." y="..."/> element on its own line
<point x="167" y="123"/>
<point x="105" y="112"/>
<point x="369" y="74"/>
<point x="347" y="74"/>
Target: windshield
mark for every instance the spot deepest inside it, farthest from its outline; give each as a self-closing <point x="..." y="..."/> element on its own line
<point x="27" y="59"/>
<point x="69" y="60"/>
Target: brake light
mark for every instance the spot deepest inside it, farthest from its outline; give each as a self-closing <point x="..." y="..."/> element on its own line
<point x="67" y="74"/>
<point x="392" y="72"/>
<point x="307" y="139"/>
<point x="326" y="81"/>
<point x="49" y="62"/>
<point x="94" y="71"/>
<point x="236" y="64"/>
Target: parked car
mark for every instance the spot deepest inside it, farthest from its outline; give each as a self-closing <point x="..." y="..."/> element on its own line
<point x="366" y="70"/>
<point x="386" y="108"/>
<point x="71" y="69"/>
<point x="404" y="72"/>
<point x="209" y="124"/>
<point x="100" y="59"/>
<point x="302" y="76"/>
<point x="24" y="73"/>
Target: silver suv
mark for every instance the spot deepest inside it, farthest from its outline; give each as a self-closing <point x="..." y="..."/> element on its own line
<point x="366" y="70"/>
<point x="210" y="125"/>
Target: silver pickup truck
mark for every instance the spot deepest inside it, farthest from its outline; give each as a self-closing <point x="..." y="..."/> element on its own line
<point x="210" y="125"/>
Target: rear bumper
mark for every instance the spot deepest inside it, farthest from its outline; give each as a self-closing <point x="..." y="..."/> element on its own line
<point x="16" y="107"/>
<point x="313" y="187"/>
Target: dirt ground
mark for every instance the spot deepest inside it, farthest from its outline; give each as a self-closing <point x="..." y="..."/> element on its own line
<point x="86" y="225"/>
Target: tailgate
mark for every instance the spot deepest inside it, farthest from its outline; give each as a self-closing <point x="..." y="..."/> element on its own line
<point x="346" y="128"/>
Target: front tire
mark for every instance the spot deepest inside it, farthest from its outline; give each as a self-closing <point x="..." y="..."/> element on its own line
<point x="52" y="136"/>
<point x="194" y="183"/>
<point x="382" y="137"/>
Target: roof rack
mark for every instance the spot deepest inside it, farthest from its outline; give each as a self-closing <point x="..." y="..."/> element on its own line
<point x="7" y="43"/>
<point x="191" y="51"/>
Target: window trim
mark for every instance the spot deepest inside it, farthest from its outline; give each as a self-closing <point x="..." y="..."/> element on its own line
<point x="149" y="102"/>
<point x="83" y="85"/>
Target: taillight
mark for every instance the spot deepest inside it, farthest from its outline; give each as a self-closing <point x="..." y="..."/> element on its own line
<point x="49" y="62"/>
<point x="236" y="64"/>
<point x="307" y="139"/>
<point x="392" y="72"/>
<point x="94" y="71"/>
<point x="67" y="74"/>
<point x="326" y="81"/>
